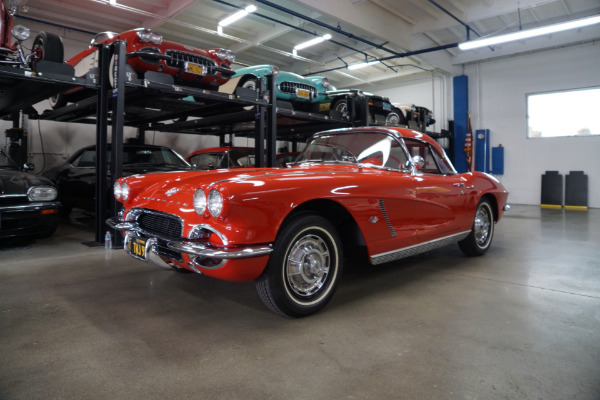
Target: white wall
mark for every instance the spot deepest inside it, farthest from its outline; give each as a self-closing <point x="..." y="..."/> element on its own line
<point x="497" y="100"/>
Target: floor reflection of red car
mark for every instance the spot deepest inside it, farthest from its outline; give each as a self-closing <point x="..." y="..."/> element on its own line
<point x="390" y="191"/>
<point x="148" y="51"/>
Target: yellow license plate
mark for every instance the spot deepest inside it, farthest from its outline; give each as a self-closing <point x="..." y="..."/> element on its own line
<point x="137" y="247"/>
<point x="195" y="69"/>
<point x="303" y="93"/>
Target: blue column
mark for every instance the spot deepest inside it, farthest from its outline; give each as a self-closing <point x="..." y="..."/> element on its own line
<point x="461" y="118"/>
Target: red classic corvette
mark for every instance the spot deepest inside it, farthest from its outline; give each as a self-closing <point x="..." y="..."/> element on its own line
<point x="148" y="51"/>
<point x="391" y="190"/>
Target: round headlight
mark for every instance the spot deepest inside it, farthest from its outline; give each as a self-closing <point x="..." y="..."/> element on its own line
<point x="325" y="83"/>
<point x="125" y="191"/>
<point x="275" y="71"/>
<point x="221" y="54"/>
<point x="117" y="190"/>
<point x="156" y="38"/>
<point x="147" y="36"/>
<point x="20" y="33"/>
<point x="42" y="193"/>
<point x="199" y="202"/>
<point x="230" y="56"/>
<point x="215" y="203"/>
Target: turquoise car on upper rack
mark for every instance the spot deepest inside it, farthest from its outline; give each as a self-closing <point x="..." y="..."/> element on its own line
<point x="304" y="93"/>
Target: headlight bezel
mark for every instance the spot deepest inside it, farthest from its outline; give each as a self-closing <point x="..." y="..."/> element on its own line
<point x="225" y="55"/>
<point x="20" y="32"/>
<point x="121" y="191"/>
<point x="200" y="201"/>
<point x="117" y="190"/>
<point x="215" y="203"/>
<point x="147" y="36"/>
<point x="42" y="193"/>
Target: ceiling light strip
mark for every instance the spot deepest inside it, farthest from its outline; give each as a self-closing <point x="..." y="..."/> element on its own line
<point x="529" y="33"/>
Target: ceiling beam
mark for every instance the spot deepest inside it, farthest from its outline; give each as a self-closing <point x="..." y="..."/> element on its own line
<point x="366" y="16"/>
<point x="174" y="8"/>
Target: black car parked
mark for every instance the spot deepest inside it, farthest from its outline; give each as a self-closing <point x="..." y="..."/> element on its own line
<point x="28" y="206"/>
<point x="77" y="176"/>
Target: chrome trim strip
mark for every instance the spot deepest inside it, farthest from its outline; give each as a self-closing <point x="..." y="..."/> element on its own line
<point x="417" y="248"/>
<point x="194" y="233"/>
<point x="200" y="249"/>
<point x="30" y="207"/>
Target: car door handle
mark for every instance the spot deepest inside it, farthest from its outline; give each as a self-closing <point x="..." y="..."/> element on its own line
<point x="461" y="185"/>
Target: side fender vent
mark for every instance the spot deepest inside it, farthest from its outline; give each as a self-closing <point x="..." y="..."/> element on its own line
<point x="387" y="219"/>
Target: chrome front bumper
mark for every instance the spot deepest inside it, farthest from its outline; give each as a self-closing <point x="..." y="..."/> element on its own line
<point x="190" y="248"/>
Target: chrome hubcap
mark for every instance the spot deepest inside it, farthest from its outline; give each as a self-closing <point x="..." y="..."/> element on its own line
<point x="481" y="226"/>
<point x="308" y="265"/>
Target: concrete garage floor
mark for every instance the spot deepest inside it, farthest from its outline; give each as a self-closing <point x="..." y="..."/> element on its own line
<point x="522" y="322"/>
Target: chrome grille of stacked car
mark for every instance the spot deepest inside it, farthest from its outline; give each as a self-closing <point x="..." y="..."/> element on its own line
<point x="292" y="87"/>
<point x="179" y="58"/>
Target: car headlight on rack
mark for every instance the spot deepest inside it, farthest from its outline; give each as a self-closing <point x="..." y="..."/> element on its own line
<point x="20" y="33"/>
<point x="147" y="36"/>
<point x="215" y="203"/>
<point x="42" y="193"/>
<point x="226" y="55"/>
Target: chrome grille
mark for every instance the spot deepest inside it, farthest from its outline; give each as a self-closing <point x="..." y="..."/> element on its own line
<point x="179" y="58"/>
<point x="163" y="225"/>
<point x="13" y="200"/>
<point x="291" y="87"/>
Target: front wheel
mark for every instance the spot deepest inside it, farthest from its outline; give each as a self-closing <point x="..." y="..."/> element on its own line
<point x="47" y="46"/>
<point x="480" y="238"/>
<point x="304" y="268"/>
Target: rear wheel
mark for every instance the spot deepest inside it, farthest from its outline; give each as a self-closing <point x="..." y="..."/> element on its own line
<point x="57" y="101"/>
<point x="48" y="47"/>
<point x="480" y="238"/>
<point x="304" y="268"/>
<point x="341" y="105"/>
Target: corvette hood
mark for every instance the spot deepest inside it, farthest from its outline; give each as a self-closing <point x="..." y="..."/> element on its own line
<point x="16" y="182"/>
<point x="159" y="185"/>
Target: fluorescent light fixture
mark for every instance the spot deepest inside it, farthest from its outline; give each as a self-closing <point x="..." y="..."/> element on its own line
<point x="238" y="15"/>
<point x="345" y="74"/>
<point x="529" y="33"/>
<point x="362" y="65"/>
<point x="312" y="42"/>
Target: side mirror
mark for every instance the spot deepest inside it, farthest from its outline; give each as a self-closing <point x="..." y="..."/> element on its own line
<point x="417" y="162"/>
<point x="28" y="167"/>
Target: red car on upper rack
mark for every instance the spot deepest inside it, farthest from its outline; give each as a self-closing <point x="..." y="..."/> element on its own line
<point x="147" y="51"/>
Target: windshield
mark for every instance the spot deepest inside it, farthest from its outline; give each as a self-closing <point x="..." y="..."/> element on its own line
<point x="6" y="163"/>
<point x="159" y="156"/>
<point x="371" y="148"/>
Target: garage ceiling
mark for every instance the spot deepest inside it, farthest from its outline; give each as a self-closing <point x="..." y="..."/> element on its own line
<point x="362" y="30"/>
